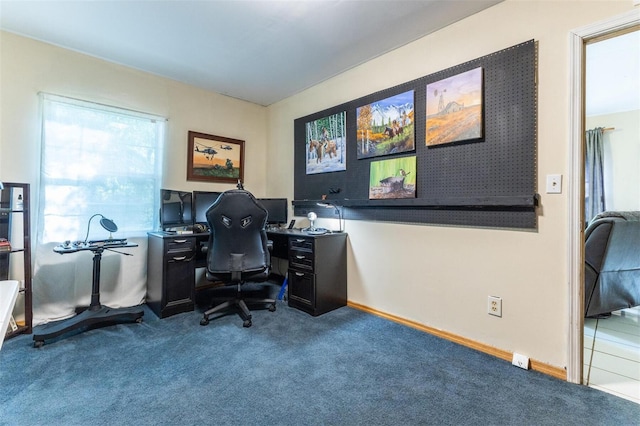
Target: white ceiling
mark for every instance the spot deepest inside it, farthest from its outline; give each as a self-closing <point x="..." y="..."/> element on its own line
<point x="613" y="75"/>
<point x="261" y="51"/>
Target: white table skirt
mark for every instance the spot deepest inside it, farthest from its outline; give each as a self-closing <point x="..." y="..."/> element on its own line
<point x="8" y="296"/>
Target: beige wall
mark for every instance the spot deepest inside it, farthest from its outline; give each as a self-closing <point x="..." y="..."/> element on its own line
<point x="444" y="275"/>
<point x="28" y="67"/>
<point x="621" y="158"/>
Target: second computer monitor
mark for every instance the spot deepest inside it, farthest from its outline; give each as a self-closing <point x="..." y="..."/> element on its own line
<point x="277" y="210"/>
<point x="175" y="210"/>
<point x="202" y="200"/>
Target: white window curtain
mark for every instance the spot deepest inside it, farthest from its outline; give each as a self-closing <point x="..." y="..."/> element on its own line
<point x="95" y="159"/>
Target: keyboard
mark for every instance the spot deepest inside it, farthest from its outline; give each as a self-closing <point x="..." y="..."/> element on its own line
<point x="109" y="242"/>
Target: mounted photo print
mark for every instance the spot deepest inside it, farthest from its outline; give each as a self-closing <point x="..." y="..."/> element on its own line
<point x="393" y="178"/>
<point x="454" y="108"/>
<point x="215" y="158"/>
<point x="386" y="127"/>
<point x="326" y="140"/>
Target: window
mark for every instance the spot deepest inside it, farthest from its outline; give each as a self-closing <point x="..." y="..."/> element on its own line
<point x="98" y="159"/>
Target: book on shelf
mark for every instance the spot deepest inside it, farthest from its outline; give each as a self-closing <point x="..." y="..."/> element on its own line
<point x="12" y="323"/>
<point x="5" y="245"/>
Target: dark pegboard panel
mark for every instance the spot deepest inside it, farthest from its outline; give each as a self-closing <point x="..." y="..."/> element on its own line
<point x="485" y="182"/>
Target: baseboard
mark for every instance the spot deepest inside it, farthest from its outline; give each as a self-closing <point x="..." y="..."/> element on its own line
<point x="550" y="370"/>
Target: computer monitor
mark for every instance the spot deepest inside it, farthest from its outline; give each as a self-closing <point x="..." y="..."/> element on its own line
<point x="277" y="209"/>
<point x="202" y="200"/>
<point x="175" y="209"/>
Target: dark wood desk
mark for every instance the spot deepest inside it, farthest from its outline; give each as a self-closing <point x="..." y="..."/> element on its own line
<point x="317" y="274"/>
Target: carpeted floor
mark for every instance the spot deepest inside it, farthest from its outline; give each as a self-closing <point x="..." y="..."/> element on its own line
<point x="346" y="367"/>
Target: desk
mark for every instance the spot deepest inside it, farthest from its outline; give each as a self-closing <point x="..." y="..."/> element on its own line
<point x="317" y="269"/>
<point x="96" y="315"/>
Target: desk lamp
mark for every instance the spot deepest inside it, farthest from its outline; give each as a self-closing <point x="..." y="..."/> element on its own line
<point x="327" y="205"/>
<point x="107" y="224"/>
<point x="312" y="216"/>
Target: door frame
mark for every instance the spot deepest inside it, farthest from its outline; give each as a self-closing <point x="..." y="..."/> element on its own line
<point x="578" y="38"/>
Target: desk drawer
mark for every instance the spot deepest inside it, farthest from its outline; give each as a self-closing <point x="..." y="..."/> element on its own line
<point x="180" y="245"/>
<point x="301" y="259"/>
<point x="301" y="243"/>
<point x="301" y="289"/>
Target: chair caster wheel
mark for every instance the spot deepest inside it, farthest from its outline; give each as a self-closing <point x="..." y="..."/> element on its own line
<point x="38" y="343"/>
<point x="272" y="307"/>
<point x="204" y="321"/>
<point x="246" y="323"/>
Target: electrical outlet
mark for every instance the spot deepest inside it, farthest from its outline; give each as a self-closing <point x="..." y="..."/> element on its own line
<point x="494" y="306"/>
<point x="521" y="361"/>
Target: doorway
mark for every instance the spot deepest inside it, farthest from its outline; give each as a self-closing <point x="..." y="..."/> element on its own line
<point x="612" y="111"/>
<point x="579" y="40"/>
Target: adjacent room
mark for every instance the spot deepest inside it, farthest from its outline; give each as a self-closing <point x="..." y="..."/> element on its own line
<point x="319" y="212"/>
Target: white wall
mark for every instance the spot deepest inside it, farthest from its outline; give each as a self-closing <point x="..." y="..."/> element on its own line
<point x="28" y="67"/>
<point x="621" y="158"/>
<point x="444" y="274"/>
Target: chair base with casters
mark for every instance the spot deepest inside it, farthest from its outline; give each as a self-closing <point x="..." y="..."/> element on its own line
<point x="240" y="303"/>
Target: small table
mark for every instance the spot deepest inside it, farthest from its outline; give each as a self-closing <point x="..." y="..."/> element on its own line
<point x="96" y="315"/>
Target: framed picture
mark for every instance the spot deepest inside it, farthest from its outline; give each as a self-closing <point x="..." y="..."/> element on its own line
<point x="326" y="141"/>
<point x="215" y="158"/>
<point x="386" y="127"/>
<point x="454" y="108"/>
<point x="393" y="178"/>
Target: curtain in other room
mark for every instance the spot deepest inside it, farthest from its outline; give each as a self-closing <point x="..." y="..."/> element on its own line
<point x="594" y="180"/>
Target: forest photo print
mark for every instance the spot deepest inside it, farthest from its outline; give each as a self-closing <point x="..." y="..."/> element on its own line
<point x="326" y="141"/>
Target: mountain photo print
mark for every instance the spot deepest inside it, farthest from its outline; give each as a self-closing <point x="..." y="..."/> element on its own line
<point x="386" y="127"/>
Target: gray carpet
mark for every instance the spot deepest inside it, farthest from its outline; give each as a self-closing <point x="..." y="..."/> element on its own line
<point x="346" y="367"/>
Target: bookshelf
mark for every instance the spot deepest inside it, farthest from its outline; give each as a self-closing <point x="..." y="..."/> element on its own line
<point x="15" y="259"/>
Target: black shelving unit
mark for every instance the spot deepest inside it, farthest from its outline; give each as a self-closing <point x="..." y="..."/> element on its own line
<point x="15" y="226"/>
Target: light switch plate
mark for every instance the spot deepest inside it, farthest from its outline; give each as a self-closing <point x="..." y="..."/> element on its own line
<point x="554" y="184"/>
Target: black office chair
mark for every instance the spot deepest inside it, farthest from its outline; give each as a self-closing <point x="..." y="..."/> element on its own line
<point x="238" y="249"/>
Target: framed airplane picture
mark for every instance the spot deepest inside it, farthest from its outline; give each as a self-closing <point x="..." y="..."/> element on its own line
<point x="215" y="158"/>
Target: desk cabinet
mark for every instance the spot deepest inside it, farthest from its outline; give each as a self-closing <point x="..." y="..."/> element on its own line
<point x="317" y="272"/>
<point x="171" y="267"/>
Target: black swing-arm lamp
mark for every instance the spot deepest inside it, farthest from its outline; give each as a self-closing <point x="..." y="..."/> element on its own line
<point x="107" y="224"/>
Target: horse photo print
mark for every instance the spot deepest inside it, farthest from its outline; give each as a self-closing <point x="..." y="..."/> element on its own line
<point x="326" y="140"/>
<point x="386" y="127"/>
